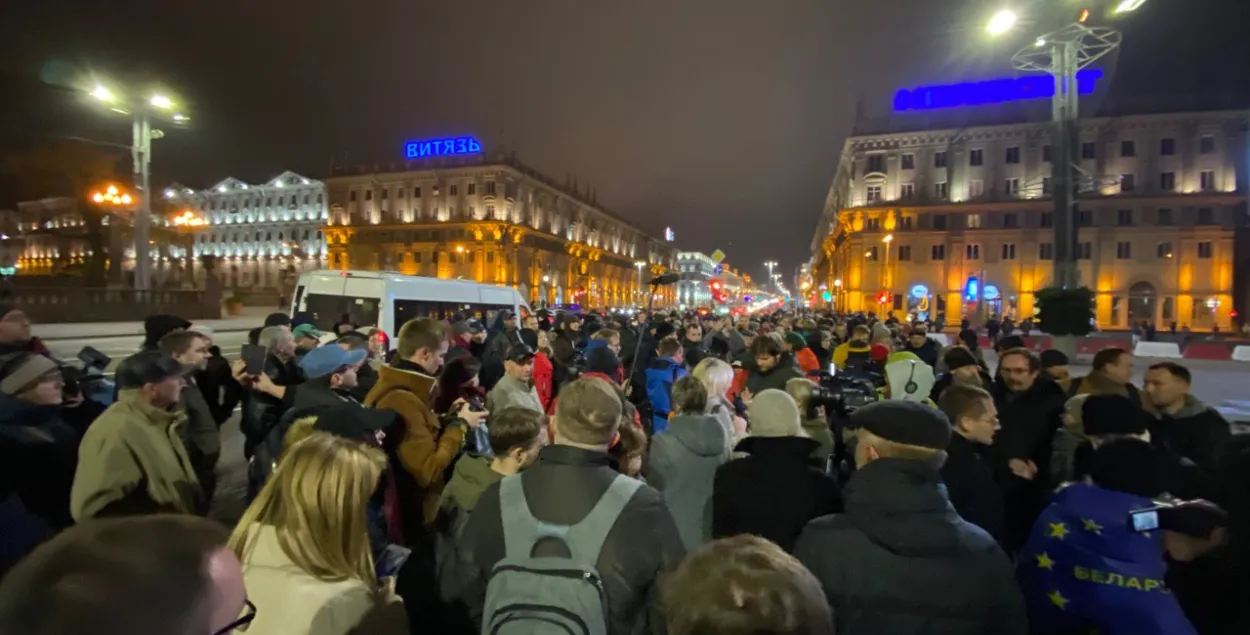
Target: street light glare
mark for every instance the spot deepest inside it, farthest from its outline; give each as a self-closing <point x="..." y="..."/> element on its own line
<point x="162" y="102"/>
<point x="1001" y="22"/>
<point x="1129" y="5"/>
<point x="181" y="118"/>
<point x="103" y="94"/>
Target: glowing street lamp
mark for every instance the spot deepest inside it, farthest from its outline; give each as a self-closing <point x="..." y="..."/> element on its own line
<point x="188" y="218"/>
<point x="1129" y="5"/>
<point x="161" y="101"/>
<point x="111" y="196"/>
<point x="1001" y="22"/>
<point x="103" y="94"/>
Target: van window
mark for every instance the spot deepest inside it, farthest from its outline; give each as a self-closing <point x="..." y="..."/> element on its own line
<point x="328" y="309"/>
<point x="412" y="309"/>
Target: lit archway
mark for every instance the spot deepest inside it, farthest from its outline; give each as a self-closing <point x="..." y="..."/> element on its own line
<point x="1142" y="302"/>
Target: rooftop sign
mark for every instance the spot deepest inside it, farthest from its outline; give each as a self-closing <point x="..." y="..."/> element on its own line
<point x="995" y="91"/>
<point x="441" y="147"/>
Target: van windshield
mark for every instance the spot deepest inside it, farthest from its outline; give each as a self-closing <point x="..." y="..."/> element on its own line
<point x="328" y="310"/>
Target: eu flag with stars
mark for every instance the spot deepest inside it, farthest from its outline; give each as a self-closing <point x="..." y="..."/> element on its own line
<point x="1084" y="569"/>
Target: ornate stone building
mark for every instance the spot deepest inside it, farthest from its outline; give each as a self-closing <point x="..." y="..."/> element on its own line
<point x="491" y="219"/>
<point x="912" y="217"/>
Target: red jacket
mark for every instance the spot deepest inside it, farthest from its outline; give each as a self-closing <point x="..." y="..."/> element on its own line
<point x="544" y="373"/>
<point x="807" y="361"/>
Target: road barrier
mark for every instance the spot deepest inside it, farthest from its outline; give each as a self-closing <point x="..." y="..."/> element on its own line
<point x="1167" y="350"/>
<point x="1209" y="350"/>
<point x="1241" y="354"/>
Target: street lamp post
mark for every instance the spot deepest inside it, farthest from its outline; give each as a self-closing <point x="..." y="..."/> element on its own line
<point x="141" y="152"/>
<point x="770" y="264"/>
<point x="639" y="264"/>
<point x="886" y="278"/>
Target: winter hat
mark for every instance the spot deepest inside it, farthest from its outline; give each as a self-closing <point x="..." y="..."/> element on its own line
<point x="157" y="326"/>
<point x="773" y="413"/>
<point x="1111" y="414"/>
<point x="969" y="338"/>
<point x="25" y="371"/>
<point x="603" y="360"/>
<point x="277" y="319"/>
<point x="796" y="341"/>
<point x="957" y="358"/>
<point x="1052" y="357"/>
<point x="1131" y="466"/>
<point x="460" y="328"/>
<point x="905" y="422"/>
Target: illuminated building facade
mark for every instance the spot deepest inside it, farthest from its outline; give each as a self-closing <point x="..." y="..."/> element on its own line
<point x="265" y="234"/>
<point x="912" y="218"/>
<point x="491" y="219"/>
<point x="697" y="270"/>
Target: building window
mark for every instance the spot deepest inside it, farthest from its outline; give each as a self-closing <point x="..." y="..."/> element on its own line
<point x="906" y="221"/>
<point x="416" y="192"/>
<point x="941" y="191"/>
<point x="490" y="188"/>
<point x="1084" y="218"/>
<point x="1167" y="147"/>
<point x="1046" y="251"/>
<point x="907" y="191"/>
<point x="1013" y="155"/>
<point x="1009" y="251"/>
<point x="1164" y="250"/>
<point x="1048" y="219"/>
<point x="908" y="161"/>
<point x="1128" y="183"/>
<point x="472" y="189"/>
<point x="871" y="253"/>
<point x="1165" y="216"/>
<point x="1206" y="216"/>
<point x="976" y="187"/>
<point x="1124" y="250"/>
<point x="974" y="221"/>
<point x="451" y="257"/>
<point x="1124" y="217"/>
<point x="351" y="197"/>
<point x="1206" y="145"/>
<point x="1048" y="186"/>
<point x="1206" y="180"/>
<point x="1010" y="220"/>
<point x="939" y="159"/>
<point x="1204" y="250"/>
<point x="1011" y="187"/>
<point x="874" y="193"/>
<point x="368" y="195"/>
<point x="1167" y="181"/>
<point x="453" y="189"/>
<point x="874" y="224"/>
<point x="1167" y="308"/>
<point x="1089" y="150"/>
<point x="1128" y="148"/>
<point x="937" y="252"/>
<point x="972" y="251"/>
<point x="1084" y="251"/>
<point x="320" y="200"/>
<point x="976" y="157"/>
<point x="939" y="222"/>
<point x="876" y="163"/>
<point x="1046" y="154"/>
<point x="904" y="252"/>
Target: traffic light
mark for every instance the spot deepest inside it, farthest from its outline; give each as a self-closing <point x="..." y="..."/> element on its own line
<point x="885" y="297"/>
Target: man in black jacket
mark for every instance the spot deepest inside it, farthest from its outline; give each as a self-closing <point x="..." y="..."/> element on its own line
<point x="969" y="479"/>
<point x="561" y="488"/>
<point x="1195" y="438"/>
<point x="900" y="560"/>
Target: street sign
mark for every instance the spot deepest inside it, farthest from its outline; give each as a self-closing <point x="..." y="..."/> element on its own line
<point x="718" y="256"/>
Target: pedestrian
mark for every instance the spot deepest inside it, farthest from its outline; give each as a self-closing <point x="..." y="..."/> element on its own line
<point x="717" y="377"/>
<point x="919" y="344"/>
<point x="638" y="538"/>
<point x="745" y="585"/>
<point x="774" y="490"/>
<point x="1194" y="437"/>
<point x="1055" y="366"/>
<point x="662" y="373"/>
<point x="200" y="434"/>
<point x="516" y="387"/>
<point x="314" y="578"/>
<point x="366" y="373"/>
<point x="682" y="462"/>
<point x="773" y="365"/>
<point x="969" y="479"/>
<point x="962" y="368"/>
<point x="900" y="560"/>
<point x="1112" y="375"/>
<point x="132" y="460"/>
<point x="796" y="345"/>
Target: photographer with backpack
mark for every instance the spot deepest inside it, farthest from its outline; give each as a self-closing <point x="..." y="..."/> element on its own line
<point x="570" y="539"/>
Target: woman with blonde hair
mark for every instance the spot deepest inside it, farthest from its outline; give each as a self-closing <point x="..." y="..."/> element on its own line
<point x="717" y="377"/>
<point x="304" y="543"/>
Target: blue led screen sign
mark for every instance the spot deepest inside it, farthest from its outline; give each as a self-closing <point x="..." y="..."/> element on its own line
<point x="441" y="147"/>
<point x="995" y="91"/>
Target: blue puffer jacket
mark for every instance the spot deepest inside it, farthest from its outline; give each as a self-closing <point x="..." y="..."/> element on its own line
<point x="661" y="375"/>
<point x="1084" y="569"/>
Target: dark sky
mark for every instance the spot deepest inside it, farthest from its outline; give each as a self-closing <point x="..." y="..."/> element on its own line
<point x="723" y="118"/>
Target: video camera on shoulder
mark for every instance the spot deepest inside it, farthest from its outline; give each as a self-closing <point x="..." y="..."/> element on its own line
<point x="842" y="393"/>
<point x="1197" y="518"/>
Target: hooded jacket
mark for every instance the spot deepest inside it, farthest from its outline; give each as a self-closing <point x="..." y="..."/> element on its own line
<point x="900" y="560"/>
<point x="909" y="378"/>
<point x="773" y="491"/>
<point x="1083" y="569"/>
<point x="682" y="464"/>
<point x="852" y="355"/>
<point x="468" y="481"/>
<point x="661" y="374"/>
<point x="132" y="462"/>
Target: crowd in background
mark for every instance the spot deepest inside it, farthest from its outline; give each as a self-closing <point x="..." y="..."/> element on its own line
<point x="688" y="473"/>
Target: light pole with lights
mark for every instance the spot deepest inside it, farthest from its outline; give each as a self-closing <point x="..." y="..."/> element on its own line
<point x="770" y="264"/>
<point x="886" y="278"/>
<point x="142" y="113"/>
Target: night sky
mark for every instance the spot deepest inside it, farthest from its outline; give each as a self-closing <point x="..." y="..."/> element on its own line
<point x="723" y="118"/>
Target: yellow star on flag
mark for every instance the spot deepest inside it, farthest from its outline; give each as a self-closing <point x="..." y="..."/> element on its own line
<point x="1057" y="599"/>
<point x="1044" y="561"/>
<point x="1058" y="530"/>
<point x="1092" y="526"/>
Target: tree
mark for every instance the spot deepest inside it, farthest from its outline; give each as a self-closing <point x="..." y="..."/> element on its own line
<point x="1065" y="314"/>
<point x="66" y="168"/>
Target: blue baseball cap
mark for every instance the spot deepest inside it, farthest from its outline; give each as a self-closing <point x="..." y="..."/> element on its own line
<point x="323" y="361"/>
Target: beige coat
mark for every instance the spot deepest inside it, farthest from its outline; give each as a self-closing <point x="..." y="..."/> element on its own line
<point x="132" y="461"/>
<point x="289" y="601"/>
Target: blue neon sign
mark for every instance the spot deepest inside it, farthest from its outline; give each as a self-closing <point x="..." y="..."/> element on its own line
<point x="441" y="147"/>
<point x="972" y="290"/>
<point x="991" y="292"/>
<point x="919" y="292"/>
<point x="995" y="91"/>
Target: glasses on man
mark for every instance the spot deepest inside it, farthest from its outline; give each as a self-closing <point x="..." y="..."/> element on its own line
<point x="249" y="614"/>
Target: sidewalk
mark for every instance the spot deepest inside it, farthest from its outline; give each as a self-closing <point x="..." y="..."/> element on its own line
<point x="251" y="318"/>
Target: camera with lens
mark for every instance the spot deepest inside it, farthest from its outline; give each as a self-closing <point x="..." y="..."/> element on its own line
<point x="842" y="394"/>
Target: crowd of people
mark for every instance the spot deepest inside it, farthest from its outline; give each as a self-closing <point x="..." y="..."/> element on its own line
<point x="672" y="473"/>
